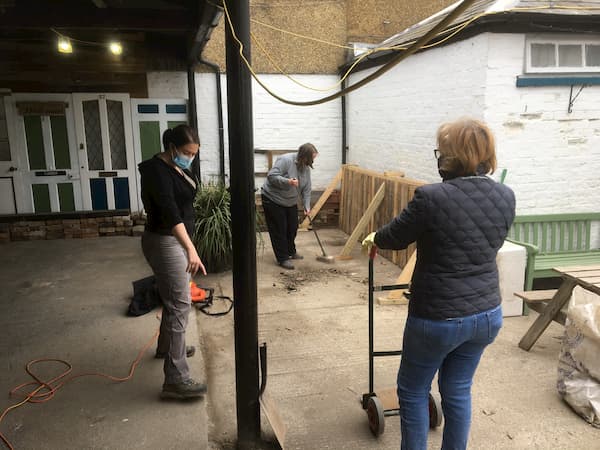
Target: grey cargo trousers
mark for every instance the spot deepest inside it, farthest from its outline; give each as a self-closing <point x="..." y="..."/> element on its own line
<point x="168" y="261"/>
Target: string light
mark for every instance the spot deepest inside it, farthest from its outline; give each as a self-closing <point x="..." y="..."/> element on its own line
<point x="115" y="48"/>
<point x="64" y="45"/>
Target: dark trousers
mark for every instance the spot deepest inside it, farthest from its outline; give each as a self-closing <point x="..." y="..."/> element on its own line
<point x="282" y="222"/>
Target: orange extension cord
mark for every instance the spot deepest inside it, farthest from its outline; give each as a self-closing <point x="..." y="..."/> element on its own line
<point x="49" y="388"/>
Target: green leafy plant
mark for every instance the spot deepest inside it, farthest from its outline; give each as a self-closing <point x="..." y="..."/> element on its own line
<point x="212" y="230"/>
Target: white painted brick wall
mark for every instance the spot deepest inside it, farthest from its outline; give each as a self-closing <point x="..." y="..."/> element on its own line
<point x="552" y="157"/>
<point x="276" y="125"/>
<point x="392" y="121"/>
<point x="167" y="84"/>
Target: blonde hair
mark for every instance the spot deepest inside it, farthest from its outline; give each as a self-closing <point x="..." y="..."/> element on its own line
<point x="467" y="147"/>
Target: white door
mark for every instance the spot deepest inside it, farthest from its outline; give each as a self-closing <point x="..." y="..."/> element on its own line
<point x="8" y="167"/>
<point x="42" y="136"/>
<point x="106" y="155"/>
<point x="151" y="117"/>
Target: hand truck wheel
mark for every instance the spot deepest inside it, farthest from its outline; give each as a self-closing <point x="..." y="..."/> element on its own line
<point x="435" y="411"/>
<point x="375" y="416"/>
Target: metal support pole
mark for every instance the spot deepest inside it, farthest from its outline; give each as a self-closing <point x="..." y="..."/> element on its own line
<point x="241" y="157"/>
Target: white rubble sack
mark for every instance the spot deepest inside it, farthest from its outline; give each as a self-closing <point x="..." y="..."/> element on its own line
<point x="579" y="359"/>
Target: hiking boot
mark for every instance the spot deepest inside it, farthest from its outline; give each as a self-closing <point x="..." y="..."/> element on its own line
<point x="190" y="351"/>
<point x="183" y="390"/>
<point x="286" y="264"/>
<point x="296" y="256"/>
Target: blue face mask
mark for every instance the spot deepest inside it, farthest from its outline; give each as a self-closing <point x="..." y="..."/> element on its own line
<point x="181" y="161"/>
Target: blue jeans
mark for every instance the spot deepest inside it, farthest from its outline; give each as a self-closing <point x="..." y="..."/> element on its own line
<point x="453" y="347"/>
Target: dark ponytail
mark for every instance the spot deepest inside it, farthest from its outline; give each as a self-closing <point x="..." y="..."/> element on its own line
<point x="179" y="136"/>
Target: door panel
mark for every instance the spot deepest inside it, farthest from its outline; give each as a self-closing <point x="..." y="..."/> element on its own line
<point x="105" y="142"/>
<point x="7" y="196"/>
<point x="47" y="161"/>
<point x="151" y="117"/>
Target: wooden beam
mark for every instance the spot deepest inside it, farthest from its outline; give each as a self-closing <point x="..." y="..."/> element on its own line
<point x="362" y="223"/>
<point x="52" y="15"/>
<point x="397" y="297"/>
<point x="322" y="199"/>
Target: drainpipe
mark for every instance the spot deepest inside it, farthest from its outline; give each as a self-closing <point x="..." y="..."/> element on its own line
<point x="193" y="114"/>
<point x="344" y="126"/>
<point x="217" y="70"/>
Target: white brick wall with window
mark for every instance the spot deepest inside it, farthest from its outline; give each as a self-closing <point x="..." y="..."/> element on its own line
<point x="552" y="157"/>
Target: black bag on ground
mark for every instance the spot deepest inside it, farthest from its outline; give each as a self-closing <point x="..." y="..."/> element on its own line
<point x="145" y="297"/>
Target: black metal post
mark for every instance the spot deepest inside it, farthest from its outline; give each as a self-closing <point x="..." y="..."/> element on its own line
<point x="371" y="319"/>
<point x="241" y="157"/>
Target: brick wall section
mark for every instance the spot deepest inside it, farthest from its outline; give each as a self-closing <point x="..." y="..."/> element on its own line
<point x="29" y="230"/>
<point x="392" y="121"/>
<point x="552" y="157"/>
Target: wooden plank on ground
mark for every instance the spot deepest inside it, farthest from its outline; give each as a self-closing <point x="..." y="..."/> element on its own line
<point x="322" y="199"/>
<point x="362" y="223"/>
<point x="397" y="297"/>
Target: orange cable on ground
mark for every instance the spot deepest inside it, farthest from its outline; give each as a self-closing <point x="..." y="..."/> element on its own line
<point x="36" y="396"/>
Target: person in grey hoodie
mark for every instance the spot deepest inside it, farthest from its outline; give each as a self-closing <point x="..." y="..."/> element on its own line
<point x="289" y="178"/>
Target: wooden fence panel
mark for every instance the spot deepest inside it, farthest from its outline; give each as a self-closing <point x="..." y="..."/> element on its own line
<point x="358" y="189"/>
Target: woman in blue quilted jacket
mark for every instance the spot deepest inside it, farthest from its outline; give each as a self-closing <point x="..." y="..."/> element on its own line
<point x="454" y="312"/>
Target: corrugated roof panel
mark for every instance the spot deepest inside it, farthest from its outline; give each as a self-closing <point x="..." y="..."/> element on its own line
<point x="486" y="7"/>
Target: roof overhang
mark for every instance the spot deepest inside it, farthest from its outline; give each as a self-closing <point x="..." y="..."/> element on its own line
<point x="155" y="34"/>
<point x="504" y="22"/>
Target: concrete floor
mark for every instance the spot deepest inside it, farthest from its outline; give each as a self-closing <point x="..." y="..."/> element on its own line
<point x="314" y="320"/>
<point x="67" y="299"/>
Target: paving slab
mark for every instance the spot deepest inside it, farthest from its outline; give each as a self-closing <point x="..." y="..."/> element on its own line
<point x="66" y="299"/>
<point x="314" y="321"/>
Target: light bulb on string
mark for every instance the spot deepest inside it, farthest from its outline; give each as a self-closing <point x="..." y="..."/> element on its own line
<point x="115" y="48"/>
<point x="64" y="45"/>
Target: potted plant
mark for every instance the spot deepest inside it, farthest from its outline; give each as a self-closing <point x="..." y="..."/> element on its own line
<point x="212" y="230"/>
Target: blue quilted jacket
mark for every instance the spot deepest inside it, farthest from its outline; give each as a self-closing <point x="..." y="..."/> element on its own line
<point x="458" y="226"/>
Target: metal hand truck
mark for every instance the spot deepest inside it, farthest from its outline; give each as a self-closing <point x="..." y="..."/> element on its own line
<point x="384" y="403"/>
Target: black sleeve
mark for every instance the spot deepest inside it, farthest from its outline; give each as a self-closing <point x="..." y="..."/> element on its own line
<point x="406" y="227"/>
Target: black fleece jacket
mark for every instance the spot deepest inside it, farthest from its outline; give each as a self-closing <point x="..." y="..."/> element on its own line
<point x="168" y="197"/>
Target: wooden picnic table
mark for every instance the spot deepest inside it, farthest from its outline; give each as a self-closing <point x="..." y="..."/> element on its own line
<point x="588" y="277"/>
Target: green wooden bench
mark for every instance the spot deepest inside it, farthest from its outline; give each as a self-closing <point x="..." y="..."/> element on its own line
<point x="554" y="240"/>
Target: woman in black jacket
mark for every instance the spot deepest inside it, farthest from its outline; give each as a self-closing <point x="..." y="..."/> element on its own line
<point x="454" y="311"/>
<point x="168" y="192"/>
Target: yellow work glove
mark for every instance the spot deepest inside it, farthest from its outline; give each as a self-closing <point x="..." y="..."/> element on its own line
<point x="368" y="242"/>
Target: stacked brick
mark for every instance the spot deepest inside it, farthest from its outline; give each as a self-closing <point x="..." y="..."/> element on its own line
<point x="79" y="228"/>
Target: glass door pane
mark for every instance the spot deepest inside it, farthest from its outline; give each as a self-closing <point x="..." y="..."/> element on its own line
<point x="116" y="134"/>
<point x="93" y="134"/>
